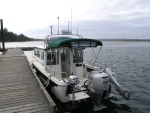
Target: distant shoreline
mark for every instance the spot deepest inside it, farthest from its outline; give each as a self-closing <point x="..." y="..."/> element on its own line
<point x="124" y="39"/>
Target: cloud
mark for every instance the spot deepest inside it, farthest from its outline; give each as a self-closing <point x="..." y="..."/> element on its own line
<point x="99" y="29"/>
<point x="112" y="29"/>
<point x="112" y="17"/>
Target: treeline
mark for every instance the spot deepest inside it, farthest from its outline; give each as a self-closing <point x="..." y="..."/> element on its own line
<point x="9" y="36"/>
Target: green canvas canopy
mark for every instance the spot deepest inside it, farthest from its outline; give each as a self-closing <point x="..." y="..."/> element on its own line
<point x="73" y="43"/>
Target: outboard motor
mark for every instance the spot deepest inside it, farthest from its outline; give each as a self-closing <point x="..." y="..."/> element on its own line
<point x="73" y="80"/>
<point x="99" y="87"/>
<point x="112" y="78"/>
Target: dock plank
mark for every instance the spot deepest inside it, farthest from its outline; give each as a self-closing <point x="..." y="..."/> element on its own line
<point x="20" y="91"/>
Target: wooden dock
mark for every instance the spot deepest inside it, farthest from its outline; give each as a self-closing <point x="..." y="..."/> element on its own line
<point x="20" y="89"/>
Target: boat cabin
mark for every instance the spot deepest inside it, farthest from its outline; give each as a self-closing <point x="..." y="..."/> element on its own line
<point x="63" y="56"/>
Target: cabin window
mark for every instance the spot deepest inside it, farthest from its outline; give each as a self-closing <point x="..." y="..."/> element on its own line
<point x="36" y="53"/>
<point x="52" y="58"/>
<point x="42" y="55"/>
<point x="77" y="55"/>
<point x="63" y="54"/>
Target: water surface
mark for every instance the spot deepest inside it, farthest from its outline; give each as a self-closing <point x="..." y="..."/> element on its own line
<point x="131" y="62"/>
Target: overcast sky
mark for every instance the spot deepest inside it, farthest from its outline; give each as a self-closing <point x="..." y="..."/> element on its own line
<point x="93" y="18"/>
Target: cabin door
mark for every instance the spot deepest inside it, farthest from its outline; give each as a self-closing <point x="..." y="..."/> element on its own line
<point x="53" y="63"/>
<point x="77" y="67"/>
<point x="65" y="62"/>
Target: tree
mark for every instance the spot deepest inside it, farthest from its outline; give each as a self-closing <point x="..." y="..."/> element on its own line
<point x="13" y="37"/>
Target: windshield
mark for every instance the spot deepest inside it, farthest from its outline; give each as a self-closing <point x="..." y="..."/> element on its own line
<point x="83" y="44"/>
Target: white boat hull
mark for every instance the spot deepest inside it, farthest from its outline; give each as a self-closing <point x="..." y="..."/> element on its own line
<point x="59" y="88"/>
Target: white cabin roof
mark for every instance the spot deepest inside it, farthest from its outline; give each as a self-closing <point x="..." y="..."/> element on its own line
<point x="40" y="47"/>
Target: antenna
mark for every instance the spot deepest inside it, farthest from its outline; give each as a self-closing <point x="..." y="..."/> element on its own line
<point x="58" y="24"/>
<point x="68" y="25"/>
<point x="71" y="20"/>
<point x="77" y="31"/>
<point x="51" y="29"/>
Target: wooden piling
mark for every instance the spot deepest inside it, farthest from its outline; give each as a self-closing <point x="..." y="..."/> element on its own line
<point x="2" y="34"/>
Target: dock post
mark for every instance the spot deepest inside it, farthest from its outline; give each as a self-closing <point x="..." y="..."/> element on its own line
<point x="2" y="34"/>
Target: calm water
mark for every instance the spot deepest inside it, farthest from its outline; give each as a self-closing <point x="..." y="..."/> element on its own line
<point x="131" y="63"/>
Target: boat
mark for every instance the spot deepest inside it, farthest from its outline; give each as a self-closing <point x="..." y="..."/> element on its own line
<point x="61" y="66"/>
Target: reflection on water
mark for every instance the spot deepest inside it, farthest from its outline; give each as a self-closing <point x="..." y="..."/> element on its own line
<point x="131" y="63"/>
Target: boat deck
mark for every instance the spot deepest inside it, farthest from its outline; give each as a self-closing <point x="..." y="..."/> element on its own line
<point x="20" y="89"/>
